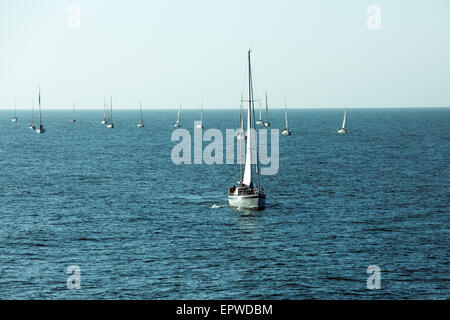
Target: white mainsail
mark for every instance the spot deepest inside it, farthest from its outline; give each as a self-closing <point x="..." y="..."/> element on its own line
<point x="345" y="119"/>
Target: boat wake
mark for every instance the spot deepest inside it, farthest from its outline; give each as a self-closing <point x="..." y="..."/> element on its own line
<point x="215" y="206"/>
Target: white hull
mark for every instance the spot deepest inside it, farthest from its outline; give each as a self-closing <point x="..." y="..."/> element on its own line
<point x="199" y="126"/>
<point x="14" y="119"/>
<point x="31" y="126"/>
<point x="259" y="122"/>
<point x="286" y="132"/>
<point x="341" y="130"/>
<point x="176" y="124"/>
<point x="110" y="126"/>
<point x="40" y="130"/>
<point x="253" y="202"/>
<point x="103" y="121"/>
<point x="140" y="125"/>
<point x="266" y="124"/>
<point x="73" y="120"/>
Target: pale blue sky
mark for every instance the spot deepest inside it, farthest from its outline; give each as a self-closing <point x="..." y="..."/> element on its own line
<point x="315" y="52"/>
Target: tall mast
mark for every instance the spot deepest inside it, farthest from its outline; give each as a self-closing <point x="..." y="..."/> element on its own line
<point x="32" y="111"/>
<point x="142" y="118"/>
<point x="110" y="112"/>
<point x="201" y="114"/>
<point x="73" y="111"/>
<point x="40" y="115"/>
<point x="241" y="141"/>
<point x="178" y="116"/>
<point x="267" y="109"/>
<point x="250" y="119"/>
<point x="285" y="112"/>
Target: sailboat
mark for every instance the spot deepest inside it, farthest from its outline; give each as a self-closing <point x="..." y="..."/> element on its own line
<point x="200" y="125"/>
<point x="267" y="123"/>
<point x="141" y="119"/>
<point x="110" y="122"/>
<point x="177" y="123"/>
<point x="104" y="119"/>
<point x="73" y="113"/>
<point x="248" y="193"/>
<point x="41" y="127"/>
<point x="343" y="129"/>
<point x="14" y="118"/>
<point x="32" y="126"/>
<point x="285" y="131"/>
<point x="259" y="121"/>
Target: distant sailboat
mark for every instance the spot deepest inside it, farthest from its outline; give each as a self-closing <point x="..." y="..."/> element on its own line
<point x="110" y="122"/>
<point x="177" y="123"/>
<point x="14" y="118"/>
<point x="259" y="121"/>
<point x="241" y="133"/>
<point x="285" y="131"/>
<point x="200" y="125"/>
<point x="41" y="126"/>
<point x="32" y="126"/>
<point x="247" y="195"/>
<point x="104" y="119"/>
<point x="141" y="119"/>
<point x="267" y="123"/>
<point x="343" y="130"/>
<point x="73" y="113"/>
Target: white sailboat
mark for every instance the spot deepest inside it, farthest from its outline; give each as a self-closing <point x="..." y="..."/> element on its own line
<point x="14" y="118"/>
<point x="343" y="130"/>
<point x="200" y="124"/>
<point x="259" y="121"/>
<point x="110" y="122"/>
<point x="41" y="128"/>
<point x="73" y="113"/>
<point x="104" y="119"/>
<point x="267" y="123"/>
<point x="285" y="131"/>
<point x="248" y="193"/>
<point x="177" y="123"/>
<point x="241" y="133"/>
<point x="32" y="126"/>
<point x="141" y="119"/>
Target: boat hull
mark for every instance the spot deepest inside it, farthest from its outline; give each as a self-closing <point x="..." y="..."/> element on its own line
<point x="249" y="202"/>
<point x="286" y="132"/>
<point x="342" y="130"/>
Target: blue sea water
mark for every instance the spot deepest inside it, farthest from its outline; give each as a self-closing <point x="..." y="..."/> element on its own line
<point x="140" y="227"/>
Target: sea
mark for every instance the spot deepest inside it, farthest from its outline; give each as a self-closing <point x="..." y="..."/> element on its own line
<point x="88" y="212"/>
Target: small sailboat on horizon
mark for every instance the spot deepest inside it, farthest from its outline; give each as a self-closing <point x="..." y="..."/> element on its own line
<point x="14" y="118"/>
<point x="200" y="124"/>
<point x="259" y="121"/>
<point x="104" y="118"/>
<point x="141" y="119"/>
<point x="110" y="122"/>
<point x="32" y="126"/>
<point x="343" y="130"/>
<point x="248" y="193"/>
<point x="177" y="123"/>
<point x="73" y="113"/>
<point x="285" y="131"/>
<point x="267" y="123"/>
<point x="41" y="128"/>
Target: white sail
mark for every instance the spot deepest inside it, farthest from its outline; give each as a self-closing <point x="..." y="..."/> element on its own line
<point x="178" y="115"/>
<point x="285" y="113"/>
<point x="345" y="119"/>
<point x="247" y="180"/>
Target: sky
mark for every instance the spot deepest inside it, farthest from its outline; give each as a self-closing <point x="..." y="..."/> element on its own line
<point x="316" y="53"/>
